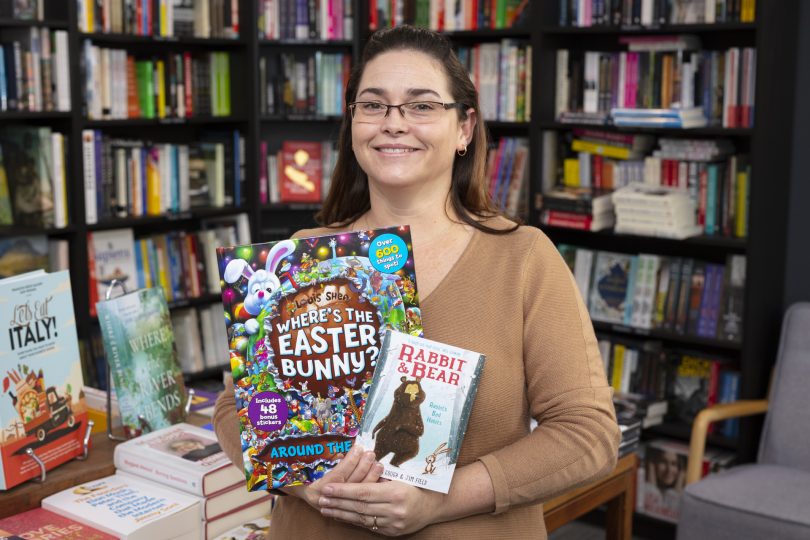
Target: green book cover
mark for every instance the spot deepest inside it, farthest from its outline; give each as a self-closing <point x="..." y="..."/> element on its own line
<point x="142" y="355"/>
<point x="146" y="95"/>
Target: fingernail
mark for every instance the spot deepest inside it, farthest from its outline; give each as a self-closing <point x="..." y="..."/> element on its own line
<point x="326" y="512"/>
<point x="369" y="456"/>
<point x="323" y="501"/>
<point x="328" y="490"/>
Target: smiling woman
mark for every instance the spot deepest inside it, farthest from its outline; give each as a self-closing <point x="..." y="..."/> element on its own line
<point x="413" y="151"/>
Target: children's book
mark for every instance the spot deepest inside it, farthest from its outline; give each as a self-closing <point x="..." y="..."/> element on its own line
<point x="130" y="508"/>
<point x="305" y="320"/>
<point x="41" y="524"/>
<point x="301" y="171"/>
<point x="42" y="406"/>
<point x="417" y="411"/>
<point x="608" y="295"/>
<point x="181" y="456"/>
<point x="139" y="344"/>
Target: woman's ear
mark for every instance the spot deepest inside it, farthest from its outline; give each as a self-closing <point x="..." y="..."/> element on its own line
<point x="466" y="127"/>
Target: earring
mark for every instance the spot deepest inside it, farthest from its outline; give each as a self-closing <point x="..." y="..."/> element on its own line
<point x="462" y="152"/>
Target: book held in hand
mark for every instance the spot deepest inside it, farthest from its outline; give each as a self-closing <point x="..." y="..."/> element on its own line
<point x="305" y="320"/>
<point x="418" y="407"/>
<point x="41" y="406"/>
<point x="139" y="344"/>
<point x="181" y="456"/>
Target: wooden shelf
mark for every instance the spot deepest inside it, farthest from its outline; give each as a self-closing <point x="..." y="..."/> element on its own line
<point x="130" y="39"/>
<point x="291" y="207"/>
<point x="274" y="118"/>
<point x="21" y="230"/>
<point x="47" y="23"/>
<point x="710" y="131"/>
<point x="337" y="43"/>
<point x="489" y="34"/>
<point x="194" y="120"/>
<point x="193" y="214"/>
<point x="671" y="339"/>
<point x="16" y="116"/>
<point x="660" y="29"/>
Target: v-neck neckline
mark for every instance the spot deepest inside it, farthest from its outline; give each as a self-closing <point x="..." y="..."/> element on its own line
<point x="468" y="250"/>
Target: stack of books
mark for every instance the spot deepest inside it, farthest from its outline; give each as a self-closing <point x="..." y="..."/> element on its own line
<point x="655" y="211"/>
<point x="631" y="435"/>
<point x="656" y="118"/>
<point x="632" y="408"/>
<point x="580" y="208"/>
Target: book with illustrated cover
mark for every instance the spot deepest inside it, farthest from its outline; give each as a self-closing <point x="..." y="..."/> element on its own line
<point x="608" y="294"/>
<point x="257" y="529"/>
<point x="418" y="407"/>
<point x="20" y="254"/>
<point x="130" y="508"/>
<point x="301" y="171"/>
<point x="139" y="345"/>
<point x="39" y="524"/>
<point x="111" y="255"/>
<point x="181" y="456"/>
<point x="27" y="158"/>
<point x="42" y="406"/>
<point x="305" y="320"/>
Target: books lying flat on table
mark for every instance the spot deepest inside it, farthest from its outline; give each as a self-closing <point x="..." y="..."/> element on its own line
<point x="418" y="407"/>
<point x="40" y="524"/>
<point x="181" y="456"/>
<point x="130" y="508"/>
<point x="305" y="320"/>
<point x="256" y="529"/>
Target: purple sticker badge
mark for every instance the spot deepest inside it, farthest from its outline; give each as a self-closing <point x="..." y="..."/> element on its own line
<point x="267" y="411"/>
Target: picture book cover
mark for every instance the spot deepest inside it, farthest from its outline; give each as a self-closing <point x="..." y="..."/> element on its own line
<point x="42" y="406"/>
<point x="20" y="254"/>
<point x="111" y="255"/>
<point x="39" y="524"/>
<point x="301" y="171"/>
<point x="305" y="320"/>
<point x="27" y="159"/>
<point x="257" y="529"/>
<point x="128" y="507"/>
<point x="418" y="407"/>
<point x="181" y="456"/>
<point x="139" y="344"/>
<point x="608" y="294"/>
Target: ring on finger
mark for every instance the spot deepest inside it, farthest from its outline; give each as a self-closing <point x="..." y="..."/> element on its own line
<point x="374" y="526"/>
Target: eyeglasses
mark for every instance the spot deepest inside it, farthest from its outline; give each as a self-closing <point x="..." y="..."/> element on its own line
<point x="417" y="112"/>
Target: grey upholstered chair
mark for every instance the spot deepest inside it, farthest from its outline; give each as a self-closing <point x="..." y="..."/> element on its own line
<point x="769" y="499"/>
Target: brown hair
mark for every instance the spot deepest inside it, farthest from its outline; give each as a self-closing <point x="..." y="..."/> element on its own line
<point x="348" y="196"/>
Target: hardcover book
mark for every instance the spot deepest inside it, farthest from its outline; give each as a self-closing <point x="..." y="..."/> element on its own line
<point x="42" y="406"/>
<point x="608" y="295"/>
<point x="181" y="456"/>
<point x="301" y="172"/>
<point x="257" y="529"/>
<point x="140" y="348"/>
<point x="39" y="524"/>
<point x="305" y="320"/>
<point x="130" y="508"/>
<point x="111" y="255"/>
<point x="417" y="411"/>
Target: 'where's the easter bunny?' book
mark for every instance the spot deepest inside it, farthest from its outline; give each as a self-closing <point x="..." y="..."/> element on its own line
<point x="305" y="320"/>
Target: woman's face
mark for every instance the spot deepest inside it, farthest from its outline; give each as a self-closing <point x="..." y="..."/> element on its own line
<point x="667" y="469"/>
<point x="395" y="152"/>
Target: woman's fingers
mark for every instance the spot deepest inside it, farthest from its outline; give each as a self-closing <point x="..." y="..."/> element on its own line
<point x="348" y="464"/>
<point x="369" y="521"/>
<point x="364" y="466"/>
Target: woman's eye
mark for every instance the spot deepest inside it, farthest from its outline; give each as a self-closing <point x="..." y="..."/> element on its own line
<point x="422" y="107"/>
<point x="372" y="106"/>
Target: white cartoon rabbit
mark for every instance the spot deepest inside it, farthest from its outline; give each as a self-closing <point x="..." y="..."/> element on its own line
<point x="261" y="283"/>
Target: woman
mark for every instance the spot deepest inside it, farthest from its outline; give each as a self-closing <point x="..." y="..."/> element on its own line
<point x="413" y="151"/>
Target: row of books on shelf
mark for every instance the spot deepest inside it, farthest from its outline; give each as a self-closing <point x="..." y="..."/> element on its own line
<point x="162" y="18"/>
<point x="118" y="85"/>
<point x="33" y="177"/>
<point x="448" y="15"/>
<point x="309" y="83"/>
<point x="183" y="264"/>
<point x="586" y="13"/>
<point x="299" y="172"/>
<point x="705" y="184"/>
<point x="314" y="20"/>
<point x="661" y="81"/>
<point x="662" y="475"/>
<point x="502" y="74"/>
<point x="656" y="384"/>
<point x="126" y="177"/>
<point x="34" y="70"/>
<point x="24" y="10"/>
<point x="681" y="295"/>
<point x="508" y="171"/>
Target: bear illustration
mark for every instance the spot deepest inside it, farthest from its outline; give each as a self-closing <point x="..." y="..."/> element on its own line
<point x="399" y="432"/>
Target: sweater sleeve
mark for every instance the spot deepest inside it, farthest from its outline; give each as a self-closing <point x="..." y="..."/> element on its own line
<point x="577" y="437"/>
<point x="226" y="425"/>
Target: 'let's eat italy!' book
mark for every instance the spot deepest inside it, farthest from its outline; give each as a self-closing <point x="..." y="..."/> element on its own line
<point x="305" y="320"/>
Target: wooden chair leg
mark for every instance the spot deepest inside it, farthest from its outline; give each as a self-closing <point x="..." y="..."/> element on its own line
<point x="619" y="518"/>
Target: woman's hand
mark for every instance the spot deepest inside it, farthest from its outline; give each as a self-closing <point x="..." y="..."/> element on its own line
<point x="390" y="508"/>
<point x="358" y="466"/>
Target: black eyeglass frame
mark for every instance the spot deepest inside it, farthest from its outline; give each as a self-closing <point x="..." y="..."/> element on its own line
<point x="446" y="106"/>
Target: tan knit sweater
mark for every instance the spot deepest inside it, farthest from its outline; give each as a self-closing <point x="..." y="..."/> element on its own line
<point x="512" y="298"/>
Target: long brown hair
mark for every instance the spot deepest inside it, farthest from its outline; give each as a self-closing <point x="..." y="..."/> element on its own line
<point x="348" y="196"/>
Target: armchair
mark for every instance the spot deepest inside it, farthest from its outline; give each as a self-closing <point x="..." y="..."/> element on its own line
<point x="769" y="498"/>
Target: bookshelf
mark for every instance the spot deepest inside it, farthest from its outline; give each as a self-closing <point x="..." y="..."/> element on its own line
<point x="774" y="34"/>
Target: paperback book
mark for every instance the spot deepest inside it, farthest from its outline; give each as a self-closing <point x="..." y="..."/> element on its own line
<point x="42" y="406"/>
<point x="418" y="407"/>
<point x="305" y="319"/>
<point x="39" y="524"/>
<point x="142" y="356"/>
